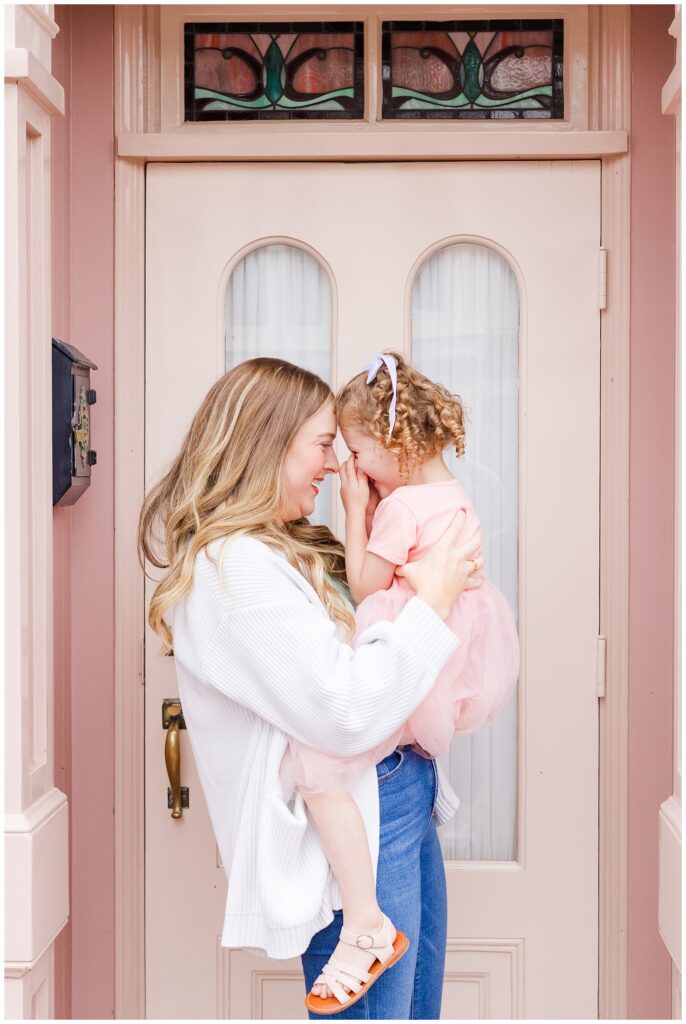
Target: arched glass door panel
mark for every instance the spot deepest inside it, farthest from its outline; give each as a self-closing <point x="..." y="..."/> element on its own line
<point x="278" y="303"/>
<point x="465" y="331"/>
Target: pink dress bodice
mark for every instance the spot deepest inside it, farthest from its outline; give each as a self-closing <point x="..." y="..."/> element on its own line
<point x="480" y="675"/>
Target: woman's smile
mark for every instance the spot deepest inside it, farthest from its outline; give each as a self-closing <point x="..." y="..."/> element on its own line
<point x="310" y="457"/>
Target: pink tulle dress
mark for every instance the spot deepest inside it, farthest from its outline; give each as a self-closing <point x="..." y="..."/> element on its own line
<point x="480" y="675"/>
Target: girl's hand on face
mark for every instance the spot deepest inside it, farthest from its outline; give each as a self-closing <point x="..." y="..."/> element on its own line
<point x="354" y="488"/>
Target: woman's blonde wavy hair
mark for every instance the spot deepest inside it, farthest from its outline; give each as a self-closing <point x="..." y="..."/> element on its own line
<point x="428" y="418"/>
<point x="227" y="480"/>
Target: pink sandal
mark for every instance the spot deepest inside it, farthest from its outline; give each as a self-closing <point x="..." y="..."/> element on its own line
<point x="335" y="973"/>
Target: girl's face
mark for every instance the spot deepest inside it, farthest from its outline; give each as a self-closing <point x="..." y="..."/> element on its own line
<point x="380" y="465"/>
<point x="309" y="458"/>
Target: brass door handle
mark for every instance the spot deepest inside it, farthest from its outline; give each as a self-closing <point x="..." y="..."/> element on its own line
<point x="172" y="721"/>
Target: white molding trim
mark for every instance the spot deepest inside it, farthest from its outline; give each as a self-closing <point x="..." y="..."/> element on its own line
<point x="129" y="423"/>
<point x="137" y="130"/>
<point x="671" y="92"/>
<point x="36" y="877"/>
<point x="36" y="814"/>
<point x="39" y="15"/>
<point x="20" y="968"/>
<point x="29" y="988"/>
<point x="23" y="68"/>
<point x="669" y="892"/>
<point x="17" y="971"/>
<point x="370" y="143"/>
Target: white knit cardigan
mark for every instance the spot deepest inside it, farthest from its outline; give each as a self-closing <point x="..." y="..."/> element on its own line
<point x="257" y="657"/>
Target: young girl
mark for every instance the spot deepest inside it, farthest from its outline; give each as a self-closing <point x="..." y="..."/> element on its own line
<point x="397" y="424"/>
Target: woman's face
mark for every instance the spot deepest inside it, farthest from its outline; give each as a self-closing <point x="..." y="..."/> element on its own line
<point x="309" y="458"/>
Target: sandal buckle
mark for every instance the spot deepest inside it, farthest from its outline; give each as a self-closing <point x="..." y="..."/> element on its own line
<point x="367" y="944"/>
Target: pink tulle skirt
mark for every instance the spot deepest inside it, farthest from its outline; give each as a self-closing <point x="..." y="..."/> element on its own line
<point x="471" y="690"/>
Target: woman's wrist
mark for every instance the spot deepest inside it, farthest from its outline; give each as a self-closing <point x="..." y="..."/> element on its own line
<point x="435" y="602"/>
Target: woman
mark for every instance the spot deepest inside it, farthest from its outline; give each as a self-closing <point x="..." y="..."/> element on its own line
<point x="253" y="611"/>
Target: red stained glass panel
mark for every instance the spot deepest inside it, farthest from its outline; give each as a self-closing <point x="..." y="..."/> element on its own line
<point x="268" y="71"/>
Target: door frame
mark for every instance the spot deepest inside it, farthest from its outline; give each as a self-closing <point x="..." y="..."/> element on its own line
<point x="137" y="117"/>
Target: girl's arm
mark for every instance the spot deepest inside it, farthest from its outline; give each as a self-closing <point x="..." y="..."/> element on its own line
<point x="366" y="572"/>
<point x="374" y="574"/>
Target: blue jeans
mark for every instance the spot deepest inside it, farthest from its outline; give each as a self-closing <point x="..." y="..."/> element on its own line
<point x="410" y="888"/>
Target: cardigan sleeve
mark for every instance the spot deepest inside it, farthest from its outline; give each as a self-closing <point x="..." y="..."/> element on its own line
<point x="277" y="652"/>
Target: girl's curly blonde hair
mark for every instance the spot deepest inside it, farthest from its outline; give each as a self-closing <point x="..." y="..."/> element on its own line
<point x="428" y="418"/>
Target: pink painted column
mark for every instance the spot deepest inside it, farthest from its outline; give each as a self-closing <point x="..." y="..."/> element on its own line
<point x="652" y="496"/>
<point x="83" y="314"/>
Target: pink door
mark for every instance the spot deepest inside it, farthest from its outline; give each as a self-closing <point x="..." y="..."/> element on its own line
<point x="486" y="273"/>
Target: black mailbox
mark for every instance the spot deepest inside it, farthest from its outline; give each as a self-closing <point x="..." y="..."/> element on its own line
<point x="72" y="397"/>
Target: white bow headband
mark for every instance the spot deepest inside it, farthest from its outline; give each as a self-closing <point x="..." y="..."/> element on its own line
<point x="373" y="366"/>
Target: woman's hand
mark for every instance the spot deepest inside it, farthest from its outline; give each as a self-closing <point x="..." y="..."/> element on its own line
<point x="354" y="488"/>
<point x="447" y="570"/>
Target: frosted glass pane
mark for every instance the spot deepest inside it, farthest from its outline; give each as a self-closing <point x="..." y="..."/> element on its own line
<point x="278" y="303"/>
<point x="465" y="330"/>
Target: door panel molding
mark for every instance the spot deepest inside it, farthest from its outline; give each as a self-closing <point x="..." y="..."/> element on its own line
<point x="477" y="973"/>
<point x="250" y="998"/>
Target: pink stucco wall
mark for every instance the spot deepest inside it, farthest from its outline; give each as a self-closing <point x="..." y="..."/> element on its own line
<point x="83" y="314"/>
<point x="652" y="496"/>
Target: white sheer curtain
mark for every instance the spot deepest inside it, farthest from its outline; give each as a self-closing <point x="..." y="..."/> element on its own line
<point x="465" y="327"/>
<point x="278" y="303"/>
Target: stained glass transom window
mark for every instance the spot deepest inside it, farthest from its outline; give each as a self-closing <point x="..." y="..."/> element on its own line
<point x="472" y="69"/>
<point x="278" y="71"/>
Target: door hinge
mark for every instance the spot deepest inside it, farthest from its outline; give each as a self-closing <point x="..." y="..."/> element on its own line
<point x="602" y="278"/>
<point x="601" y="658"/>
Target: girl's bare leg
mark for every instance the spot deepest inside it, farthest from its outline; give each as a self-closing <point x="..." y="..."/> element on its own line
<point x="344" y="838"/>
